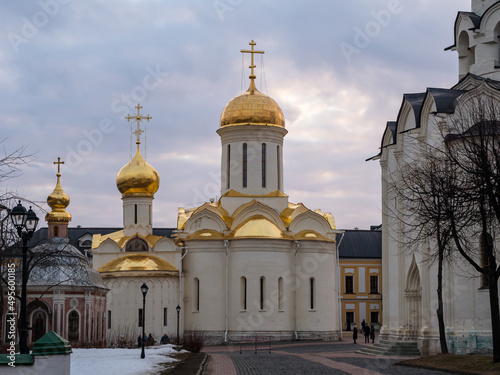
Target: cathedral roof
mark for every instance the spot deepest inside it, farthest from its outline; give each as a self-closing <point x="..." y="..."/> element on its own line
<point x="253" y="108"/>
<point x="137" y="263"/>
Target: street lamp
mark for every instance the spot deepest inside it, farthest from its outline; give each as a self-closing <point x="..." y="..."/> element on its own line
<point x="178" y="309"/>
<point x="27" y="221"/>
<point x="144" y="290"/>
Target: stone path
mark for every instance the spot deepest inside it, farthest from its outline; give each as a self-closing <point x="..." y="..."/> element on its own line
<point x="303" y="358"/>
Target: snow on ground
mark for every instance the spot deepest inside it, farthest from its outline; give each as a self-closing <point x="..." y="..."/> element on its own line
<point x="120" y="361"/>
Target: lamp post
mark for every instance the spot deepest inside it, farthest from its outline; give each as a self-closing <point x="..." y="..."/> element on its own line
<point x="144" y="290"/>
<point x="178" y="309"/>
<point x="27" y="221"/>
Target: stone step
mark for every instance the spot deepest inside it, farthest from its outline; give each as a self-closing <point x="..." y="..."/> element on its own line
<point x="385" y="347"/>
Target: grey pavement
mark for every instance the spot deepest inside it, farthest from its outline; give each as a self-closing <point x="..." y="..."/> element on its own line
<point x="304" y="358"/>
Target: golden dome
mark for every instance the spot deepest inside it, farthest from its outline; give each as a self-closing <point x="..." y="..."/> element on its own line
<point x="138" y="262"/>
<point x="138" y="177"/>
<point x="58" y="200"/>
<point x="254" y="108"/>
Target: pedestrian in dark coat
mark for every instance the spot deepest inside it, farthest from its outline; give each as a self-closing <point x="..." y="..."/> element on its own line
<point x="372" y="333"/>
<point x="367" y="333"/>
<point x="355" y="334"/>
<point x="363" y="323"/>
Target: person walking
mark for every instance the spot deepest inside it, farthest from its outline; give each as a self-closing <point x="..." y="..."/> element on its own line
<point x="355" y="334"/>
<point x="372" y="333"/>
<point x="367" y="333"/>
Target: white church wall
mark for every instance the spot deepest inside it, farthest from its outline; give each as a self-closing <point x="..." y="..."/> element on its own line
<point x="125" y="299"/>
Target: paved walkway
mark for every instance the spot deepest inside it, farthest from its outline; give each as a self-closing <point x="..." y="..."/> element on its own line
<point x="303" y="358"/>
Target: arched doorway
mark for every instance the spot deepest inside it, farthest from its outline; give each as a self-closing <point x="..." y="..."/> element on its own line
<point x="39" y="320"/>
<point x="39" y="324"/>
<point x="73" y="326"/>
<point x="413" y="302"/>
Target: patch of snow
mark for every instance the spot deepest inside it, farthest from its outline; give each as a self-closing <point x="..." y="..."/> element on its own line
<point x="120" y="361"/>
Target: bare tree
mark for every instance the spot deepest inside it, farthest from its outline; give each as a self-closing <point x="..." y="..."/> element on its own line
<point x="423" y="187"/>
<point x="450" y="195"/>
<point x="472" y="146"/>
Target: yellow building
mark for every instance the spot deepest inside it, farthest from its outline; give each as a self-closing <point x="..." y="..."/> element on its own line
<point x="360" y="255"/>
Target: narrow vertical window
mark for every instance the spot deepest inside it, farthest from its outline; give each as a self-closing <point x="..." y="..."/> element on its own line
<point x="140" y="317"/>
<point x="228" y="169"/>
<point x="262" y="291"/>
<point x="263" y="165"/>
<point x="278" y="166"/>
<point x="164" y="316"/>
<point x="373" y="284"/>
<point x="243" y="293"/>
<point x="280" y="294"/>
<point x="245" y="166"/>
<point x="196" y="294"/>
<point x="349" y="284"/>
<point x="150" y="214"/>
<point x="56" y="231"/>
<point x="311" y="282"/>
<point x="109" y="319"/>
<point x="135" y="213"/>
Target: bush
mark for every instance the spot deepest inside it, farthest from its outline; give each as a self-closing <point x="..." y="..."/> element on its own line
<point x="193" y="341"/>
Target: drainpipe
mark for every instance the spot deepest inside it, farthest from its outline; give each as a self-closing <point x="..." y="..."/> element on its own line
<point x="297" y="245"/>
<point x="226" y="248"/>
<point x="181" y="297"/>
<point x="338" y="286"/>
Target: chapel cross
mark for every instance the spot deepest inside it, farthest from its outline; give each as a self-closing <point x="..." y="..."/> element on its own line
<point x="58" y="162"/>
<point x="252" y="52"/>
<point x="138" y="117"/>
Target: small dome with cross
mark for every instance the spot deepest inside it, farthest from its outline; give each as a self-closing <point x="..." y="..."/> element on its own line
<point x="252" y="107"/>
<point x="138" y="178"/>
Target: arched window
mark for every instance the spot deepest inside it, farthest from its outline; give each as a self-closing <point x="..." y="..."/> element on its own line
<point x="466" y="56"/>
<point x="486" y="247"/>
<point x="280" y="294"/>
<point x="243" y="293"/>
<point x="137" y="244"/>
<point x="313" y="297"/>
<point x="262" y="292"/>
<point x="245" y="166"/>
<point x="56" y="231"/>
<point x="73" y="326"/>
<point x="228" y="168"/>
<point x="263" y="165"/>
<point x="196" y="293"/>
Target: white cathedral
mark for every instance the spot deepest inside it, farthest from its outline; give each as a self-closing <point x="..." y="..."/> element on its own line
<point x="409" y="284"/>
<point x="251" y="263"/>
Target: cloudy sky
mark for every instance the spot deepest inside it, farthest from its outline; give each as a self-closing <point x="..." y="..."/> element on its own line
<point x="70" y="71"/>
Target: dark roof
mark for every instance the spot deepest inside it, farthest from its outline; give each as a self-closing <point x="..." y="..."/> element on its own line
<point x="475" y="19"/>
<point x="445" y="99"/>
<point x="360" y="244"/>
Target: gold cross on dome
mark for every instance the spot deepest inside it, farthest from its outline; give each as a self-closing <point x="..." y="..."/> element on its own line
<point x="138" y="118"/>
<point x="252" y="52"/>
<point x="58" y="162"/>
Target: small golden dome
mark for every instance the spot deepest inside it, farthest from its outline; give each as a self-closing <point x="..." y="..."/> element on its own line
<point x="58" y="200"/>
<point x="254" y="108"/>
<point x="138" y="178"/>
